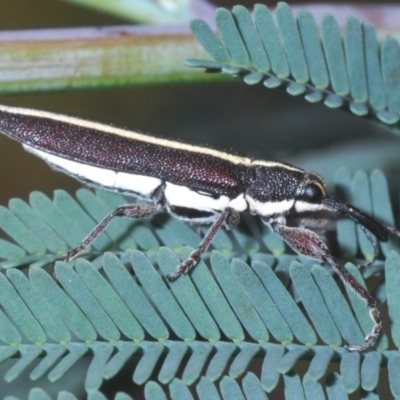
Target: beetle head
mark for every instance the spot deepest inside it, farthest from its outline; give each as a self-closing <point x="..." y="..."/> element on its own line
<point x="311" y="195"/>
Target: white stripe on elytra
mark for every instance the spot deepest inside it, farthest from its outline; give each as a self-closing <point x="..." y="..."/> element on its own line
<point x="125" y="133"/>
<point x="140" y="185"/>
<point x="276" y="164"/>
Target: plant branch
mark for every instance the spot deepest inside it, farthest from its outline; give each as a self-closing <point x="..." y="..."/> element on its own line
<point x="75" y="58"/>
<point x="64" y="59"/>
<point x="151" y="12"/>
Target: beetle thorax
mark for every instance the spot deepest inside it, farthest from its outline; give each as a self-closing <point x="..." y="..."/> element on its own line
<point x="273" y="189"/>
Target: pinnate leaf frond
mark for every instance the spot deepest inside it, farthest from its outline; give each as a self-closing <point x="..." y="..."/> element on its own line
<point x="349" y="69"/>
<point x="202" y="332"/>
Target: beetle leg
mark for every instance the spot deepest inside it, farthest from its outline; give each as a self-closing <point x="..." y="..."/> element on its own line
<point x="138" y="211"/>
<point x="230" y="218"/>
<point x="309" y="244"/>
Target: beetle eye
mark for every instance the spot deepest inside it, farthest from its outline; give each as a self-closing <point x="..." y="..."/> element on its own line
<point x="312" y="193"/>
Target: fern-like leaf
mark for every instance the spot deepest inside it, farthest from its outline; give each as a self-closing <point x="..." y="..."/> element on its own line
<point x="353" y="71"/>
<point x="117" y="314"/>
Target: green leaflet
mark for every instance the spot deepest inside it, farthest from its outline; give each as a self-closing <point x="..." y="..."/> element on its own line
<point x="202" y="333"/>
<point x="108" y="359"/>
<point x="352" y="69"/>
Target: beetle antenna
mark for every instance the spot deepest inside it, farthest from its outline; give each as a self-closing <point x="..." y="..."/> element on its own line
<point x="365" y="222"/>
<point x="360" y="218"/>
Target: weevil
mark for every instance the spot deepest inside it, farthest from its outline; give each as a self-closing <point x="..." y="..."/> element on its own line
<point x="193" y="183"/>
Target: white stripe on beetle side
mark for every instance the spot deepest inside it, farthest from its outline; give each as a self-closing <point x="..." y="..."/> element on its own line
<point x="139" y="185"/>
<point x="303" y="206"/>
<point x="269" y="208"/>
<point x="181" y="196"/>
